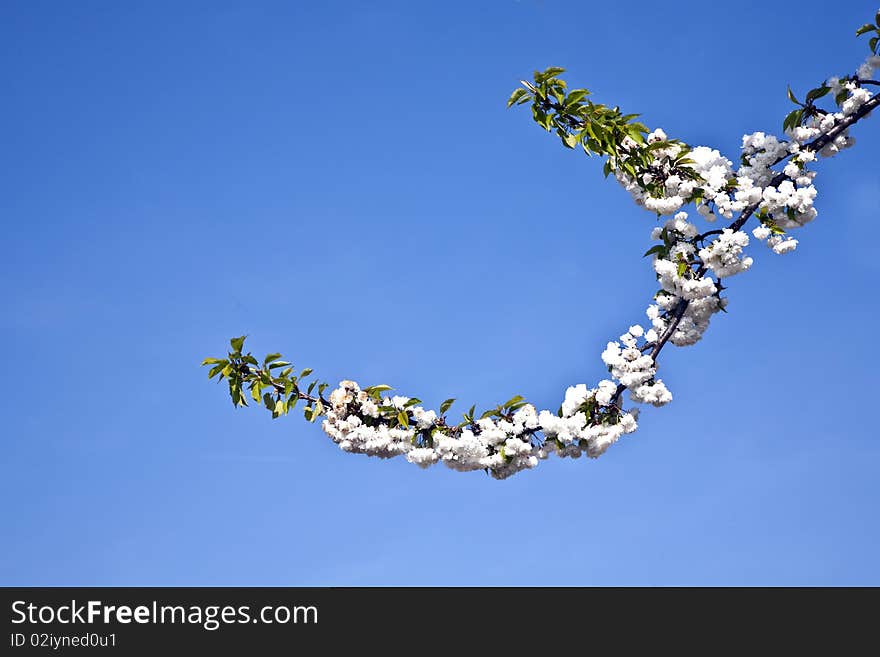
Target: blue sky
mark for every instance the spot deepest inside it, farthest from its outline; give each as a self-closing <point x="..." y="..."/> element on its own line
<point x="342" y="182"/>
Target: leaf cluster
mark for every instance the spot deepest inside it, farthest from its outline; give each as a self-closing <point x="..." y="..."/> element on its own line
<point x="278" y="391"/>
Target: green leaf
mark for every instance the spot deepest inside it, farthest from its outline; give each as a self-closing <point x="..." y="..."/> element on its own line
<point x="280" y="407"/>
<point x="379" y="388"/>
<point x="659" y="249"/>
<point x="817" y="93"/>
<point x="682" y="268"/>
<point x="516" y="96"/>
<point x="217" y="369"/>
<point x="864" y="29"/>
<point x="513" y="400"/>
<point x="237" y="343"/>
<point x="657" y="145"/>
<point x="792" y="98"/>
<point x="872" y="44"/>
<point x="270" y="357"/>
<point x="793" y="119"/>
<point x="277" y="364"/>
<point x="446" y="405"/>
<point x="552" y="72"/>
<point x="268" y="401"/>
<point x="403" y="418"/>
<point x="255" y="391"/>
<point x="576" y="96"/>
<point x="305" y="372"/>
<point x="211" y="361"/>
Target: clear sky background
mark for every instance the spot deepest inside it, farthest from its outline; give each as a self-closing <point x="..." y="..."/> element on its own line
<point x="342" y="182"/>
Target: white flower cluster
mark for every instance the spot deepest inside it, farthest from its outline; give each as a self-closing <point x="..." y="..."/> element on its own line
<point x="678" y="225"/>
<point x="723" y="191"/>
<point x="695" y="320"/>
<point x="724" y="256"/>
<point x="634" y="369"/>
<point x="673" y="270"/>
<point x="503" y="446"/>
<point x="714" y="169"/>
<point x="681" y="283"/>
<point x="825" y="122"/>
<point x="760" y="152"/>
<point x="782" y="244"/>
<point x="358" y="433"/>
<point x="682" y="286"/>
<point x="866" y="70"/>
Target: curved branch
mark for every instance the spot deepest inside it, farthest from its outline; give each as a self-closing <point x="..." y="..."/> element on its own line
<point x="663" y="175"/>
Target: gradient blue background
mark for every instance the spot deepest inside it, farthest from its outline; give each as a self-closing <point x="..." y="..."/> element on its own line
<point x="342" y="182"/>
